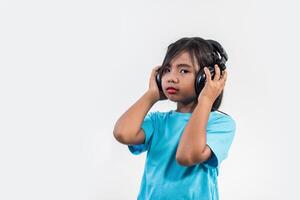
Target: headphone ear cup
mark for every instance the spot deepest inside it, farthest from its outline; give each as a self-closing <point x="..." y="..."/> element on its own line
<point x="199" y="82"/>
<point x="201" y="79"/>
<point x="158" y="80"/>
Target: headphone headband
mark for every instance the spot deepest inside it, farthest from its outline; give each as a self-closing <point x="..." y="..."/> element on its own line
<point x="219" y="49"/>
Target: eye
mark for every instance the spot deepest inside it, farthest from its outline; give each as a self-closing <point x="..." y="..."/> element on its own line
<point x="165" y="70"/>
<point x="184" y="70"/>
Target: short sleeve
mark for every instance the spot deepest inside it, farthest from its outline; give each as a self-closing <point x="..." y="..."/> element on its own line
<point x="148" y="126"/>
<point x="220" y="134"/>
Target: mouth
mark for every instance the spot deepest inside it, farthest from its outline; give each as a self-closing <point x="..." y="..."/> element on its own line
<point x="172" y="90"/>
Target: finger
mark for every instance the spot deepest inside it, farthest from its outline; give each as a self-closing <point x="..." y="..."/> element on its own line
<point x="154" y="70"/>
<point x="207" y="73"/>
<point x="217" y="73"/>
<point x="224" y="76"/>
<point x="157" y="67"/>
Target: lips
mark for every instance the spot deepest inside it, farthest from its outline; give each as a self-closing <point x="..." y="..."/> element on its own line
<point x="171" y="90"/>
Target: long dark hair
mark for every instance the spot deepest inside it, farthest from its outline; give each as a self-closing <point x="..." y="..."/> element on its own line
<point x="198" y="48"/>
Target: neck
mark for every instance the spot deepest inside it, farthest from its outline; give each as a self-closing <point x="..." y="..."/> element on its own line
<point x="186" y="107"/>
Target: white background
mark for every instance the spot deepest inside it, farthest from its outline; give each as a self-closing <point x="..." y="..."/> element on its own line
<point x="70" y="69"/>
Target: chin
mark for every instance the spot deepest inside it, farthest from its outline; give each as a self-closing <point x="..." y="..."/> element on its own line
<point x="175" y="98"/>
<point x="170" y="97"/>
<point x="183" y="100"/>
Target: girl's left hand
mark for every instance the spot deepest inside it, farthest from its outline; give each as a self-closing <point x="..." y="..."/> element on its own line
<point x="213" y="88"/>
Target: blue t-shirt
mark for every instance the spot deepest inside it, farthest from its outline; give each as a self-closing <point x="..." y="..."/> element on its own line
<point x="163" y="177"/>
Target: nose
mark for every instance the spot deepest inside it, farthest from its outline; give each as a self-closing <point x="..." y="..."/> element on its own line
<point x="172" y="77"/>
<point x="172" y="80"/>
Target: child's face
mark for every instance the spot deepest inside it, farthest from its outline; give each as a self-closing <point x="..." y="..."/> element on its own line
<point x="181" y="77"/>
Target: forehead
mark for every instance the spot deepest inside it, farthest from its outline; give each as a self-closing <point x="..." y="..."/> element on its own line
<point x="184" y="58"/>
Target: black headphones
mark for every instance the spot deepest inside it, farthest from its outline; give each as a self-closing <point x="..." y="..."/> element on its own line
<point x="201" y="77"/>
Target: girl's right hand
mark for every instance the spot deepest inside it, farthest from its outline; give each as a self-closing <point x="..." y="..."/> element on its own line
<point x="153" y="88"/>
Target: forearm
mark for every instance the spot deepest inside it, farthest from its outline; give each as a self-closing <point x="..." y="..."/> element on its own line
<point x="193" y="139"/>
<point x="130" y="122"/>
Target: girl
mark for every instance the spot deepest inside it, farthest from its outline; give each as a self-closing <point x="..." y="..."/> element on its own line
<point x="186" y="146"/>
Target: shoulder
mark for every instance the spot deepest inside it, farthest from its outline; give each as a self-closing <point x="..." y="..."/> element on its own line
<point x="221" y="120"/>
<point x="156" y="115"/>
<point x="222" y="116"/>
<point x="160" y="118"/>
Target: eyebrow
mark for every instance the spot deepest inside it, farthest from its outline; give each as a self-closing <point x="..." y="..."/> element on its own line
<point x="181" y="65"/>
